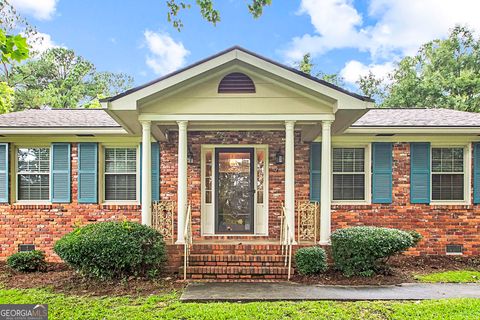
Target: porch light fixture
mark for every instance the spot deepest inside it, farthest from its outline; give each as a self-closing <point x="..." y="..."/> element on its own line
<point x="189" y="156"/>
<point x="279" y="158"/>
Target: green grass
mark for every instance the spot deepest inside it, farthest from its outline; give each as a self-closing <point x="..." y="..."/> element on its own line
<point x="168" y="307"/>
<point x="460" y="276"/>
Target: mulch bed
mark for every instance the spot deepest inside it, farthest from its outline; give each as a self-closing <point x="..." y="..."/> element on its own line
<point x="402" y="269"/>
<point x="62" y="279"/>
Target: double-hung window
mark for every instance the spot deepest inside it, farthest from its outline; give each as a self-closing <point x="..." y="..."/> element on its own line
<point x="349" y="174"/>
<point x="33" y="174"/>
<point x="448" y="174"/>
<point x="120" y="174"/>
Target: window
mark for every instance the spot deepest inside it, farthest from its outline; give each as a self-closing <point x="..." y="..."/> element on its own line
<point x="120" y="174"/>
<point x="348" y="174"/>
<point x="448" y="174"/>
<point x="260" y="175"/>
<point x="33" y="174"/>
<point x="208" y="177"/>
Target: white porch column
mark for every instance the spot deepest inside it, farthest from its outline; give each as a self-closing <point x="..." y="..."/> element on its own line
<point x="290" y="174"/>
<point x="146" y="174"/>
<point x="182" y="180"/>
<point x="325" y="183"/>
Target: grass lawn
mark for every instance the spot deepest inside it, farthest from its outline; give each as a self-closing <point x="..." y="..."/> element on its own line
<point x="168" y="307"/>
<point x="450" y="276"/>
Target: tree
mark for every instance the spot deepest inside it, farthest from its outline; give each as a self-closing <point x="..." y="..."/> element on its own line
<point x="445" y="73"/>
<point x="59" y="78"/>
<point x="306" y="65"/>
<point x="207" y="10"/>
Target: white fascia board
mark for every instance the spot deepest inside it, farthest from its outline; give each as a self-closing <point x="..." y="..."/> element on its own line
<point x="235" y="117"/>
<point x="413" y="130"/>
<point x="62" y="131"/>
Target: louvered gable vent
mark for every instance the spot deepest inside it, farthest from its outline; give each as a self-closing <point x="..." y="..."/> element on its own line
<point x="236" y="82"/>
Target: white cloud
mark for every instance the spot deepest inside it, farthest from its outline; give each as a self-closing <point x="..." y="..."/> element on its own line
<point x="166" y="55"/>
<point x="42" y="42"/>
<point x="399" y="27"/>
<point x="354" y="69"/>
<point x="39" y="9"/>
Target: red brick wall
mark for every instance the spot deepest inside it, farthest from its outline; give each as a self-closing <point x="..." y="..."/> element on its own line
<point x="276" y="173"/>
<point x="439" y="225"/>
<point x="42" y="225"/>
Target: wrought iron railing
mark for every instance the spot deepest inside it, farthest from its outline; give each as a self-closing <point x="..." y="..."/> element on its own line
<point x="308" y="217"/>
<point x="187" y="235"/>
<point x="163" y="213"/>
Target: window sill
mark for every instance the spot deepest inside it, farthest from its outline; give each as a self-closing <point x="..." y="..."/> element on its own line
<point x="351" y="203"/>
<point x="448" y="203"/>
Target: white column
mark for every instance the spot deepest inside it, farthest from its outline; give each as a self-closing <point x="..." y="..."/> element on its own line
<point x="182" y="180"/>
<point x="290" y="174"/>
<point x="146" y="174"/>
<point x="325" y="183"/>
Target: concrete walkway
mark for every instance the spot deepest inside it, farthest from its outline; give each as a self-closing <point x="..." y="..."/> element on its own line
<point x="238" y="291"/>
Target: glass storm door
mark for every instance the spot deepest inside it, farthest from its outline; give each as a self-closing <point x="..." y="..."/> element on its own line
<point x="234" y="188"/>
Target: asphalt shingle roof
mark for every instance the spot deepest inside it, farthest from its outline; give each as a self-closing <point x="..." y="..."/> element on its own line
<point x="58" y="118"/>
<point x="411" y="117"/>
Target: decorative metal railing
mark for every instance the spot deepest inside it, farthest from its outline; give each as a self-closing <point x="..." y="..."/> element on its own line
<point x="308" y="220"/>
<point x="163" y="218"/>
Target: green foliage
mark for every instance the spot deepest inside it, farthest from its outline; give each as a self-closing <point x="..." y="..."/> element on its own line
<point x="443" y="74"/>
<point x="310" y="260"/>
<point x="27" y="261"/>
<point x="207" y="10"/>
<point x="113" y="250"/>
<point x="417" y="237"/>
<point x="458" y="276"/>
<point x="13" y="48"/>
<point x="306" y="65"/>
<point x="364" y="250"/>
<point x="6" y="97"/>
<point x="59" y="78"/>
<point x="168" y="306"/>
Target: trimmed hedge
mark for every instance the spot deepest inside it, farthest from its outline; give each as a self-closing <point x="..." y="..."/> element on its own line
<point x="113" y="250"/>
<point x="27" y="261"/>
<point x="364" y="250"/>
<point x="310" y="260"/>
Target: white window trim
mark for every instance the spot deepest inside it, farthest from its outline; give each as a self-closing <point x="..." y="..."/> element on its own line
<point x="368" y="175"/>
<point x="33" y="202"/>
<point x="212" y="147"/>
<point x="467" y="180"/>
<point x="102" y="166"/>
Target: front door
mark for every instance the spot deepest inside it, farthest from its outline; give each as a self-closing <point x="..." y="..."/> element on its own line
<point x="234" y="192"/>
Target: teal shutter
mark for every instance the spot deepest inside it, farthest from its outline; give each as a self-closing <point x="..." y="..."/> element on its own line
<point x="476" y="173"/>
<point x="87" y="172"/>
<point x="315" y="170"/>
<point x="155" y="171"/>
<point x="155" y="156"/>
<point x="60" y="171"/>
<point x="382" y="172"/>
<point x="420" y="172"/>
<point x="4" y="172"/>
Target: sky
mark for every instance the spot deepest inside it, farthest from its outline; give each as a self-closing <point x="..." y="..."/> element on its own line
<point x="345" y="36"/>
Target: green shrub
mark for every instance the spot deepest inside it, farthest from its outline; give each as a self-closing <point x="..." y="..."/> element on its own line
<point x="364" y="250"/>
<point x="416" y="237"/>
<point x="310" y="260"/>
<point x="27" y="261"/>
<point x="113" y="250"/>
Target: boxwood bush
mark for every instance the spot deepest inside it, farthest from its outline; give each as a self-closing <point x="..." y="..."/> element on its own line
<point x="310" y="260"/>
<point x="364" y="250"/>
<point x="108" y="250"/>
<point x="27" y="261"/>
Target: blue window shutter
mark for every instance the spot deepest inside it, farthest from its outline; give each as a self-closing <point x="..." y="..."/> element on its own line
<point x="155" y="171"/>
<point x="420" y="172"/>
<point x="4" y="172"/>
<point x="382" y="172"/>
<point x="155" y="156"/>
<point x="87" y="172"/>
<point x="476" y="173"/>
<point x="60" y="170"/>
<point x="315" y="170"/>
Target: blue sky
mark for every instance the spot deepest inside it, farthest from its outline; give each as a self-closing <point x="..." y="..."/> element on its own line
<point x="344" y="36"/>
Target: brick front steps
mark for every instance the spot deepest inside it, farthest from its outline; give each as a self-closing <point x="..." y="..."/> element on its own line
<point x="237" y="262"/>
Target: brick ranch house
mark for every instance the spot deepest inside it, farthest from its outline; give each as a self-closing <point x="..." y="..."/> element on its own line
<point x="247" y="152"/>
